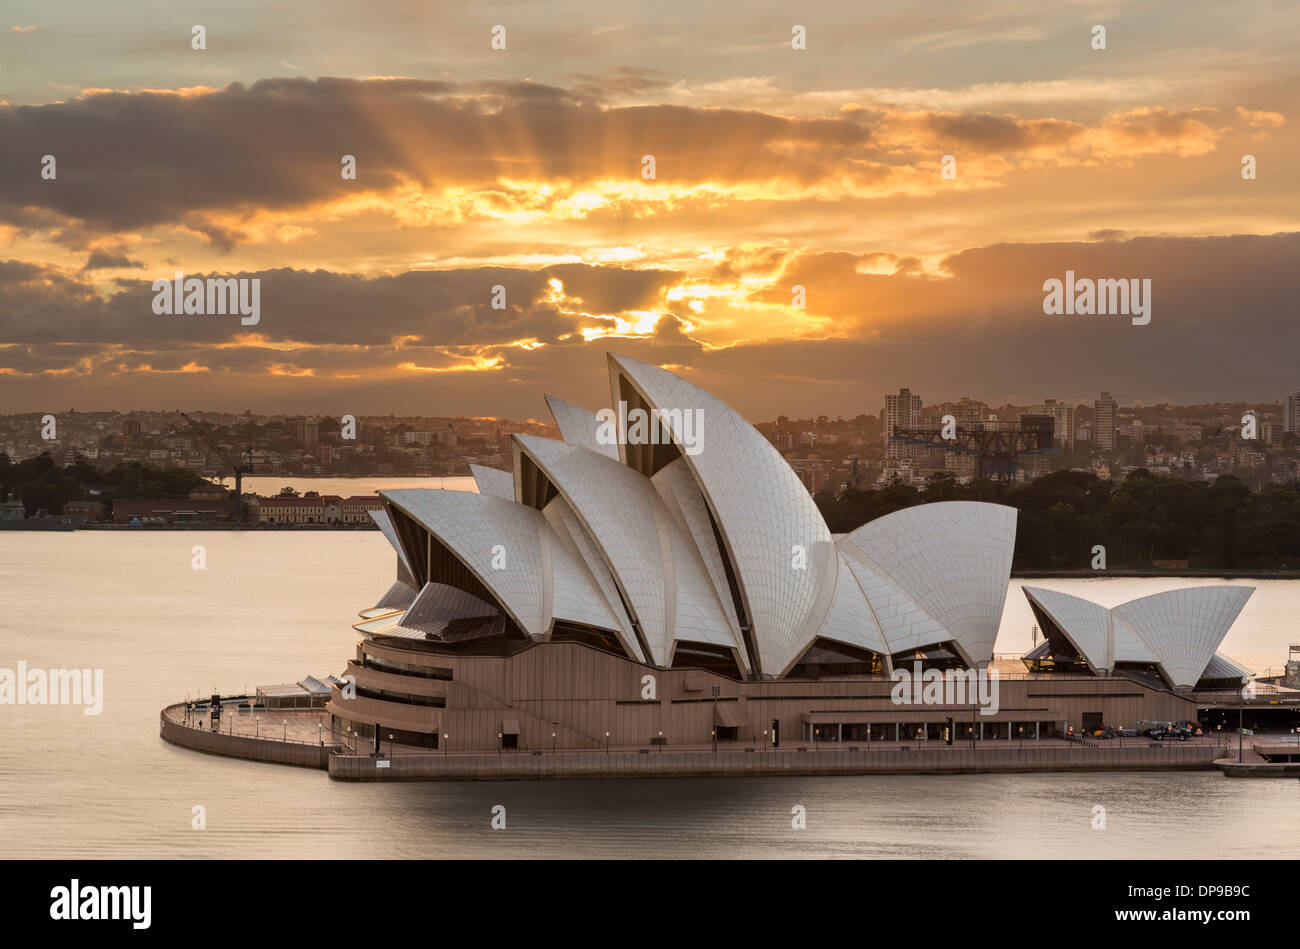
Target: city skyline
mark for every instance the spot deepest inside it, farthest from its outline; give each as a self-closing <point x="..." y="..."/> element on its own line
<point x="1290" y="417"/>
<point x="774" y="168"/>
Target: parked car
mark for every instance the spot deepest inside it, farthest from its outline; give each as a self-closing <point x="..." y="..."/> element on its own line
<point x="1149" y="729"/>
<point x="1126" y="732"/>
<point x="1194" y="728"/>
<point x="1103" y="731"/>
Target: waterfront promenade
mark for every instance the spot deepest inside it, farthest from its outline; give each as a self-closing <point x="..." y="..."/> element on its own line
<point x="302" y="737"/>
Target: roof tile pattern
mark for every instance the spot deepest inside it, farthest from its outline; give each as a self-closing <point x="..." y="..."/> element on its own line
<point x="566" y="526"/>
<point x="1184" y="627"/>
<point x="1085" y="624"/>
<point x="493" y="481"/>
<point x="579" y="427"/>
<point x="952" y="558"/>
<point x="850" y="619"/>
<point x="1179" y="630"/>
<point x="763" y="511"/>
<point x="385" y="525"/>
<point x="904" y="625"/>
<point x="627" y="520"/>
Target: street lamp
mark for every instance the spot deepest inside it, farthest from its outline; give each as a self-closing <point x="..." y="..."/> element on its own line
<point x="445" y="739"/>
<point x="500" y="742"/>
<point x="606" y="742"/>
<point x="552" y="739"/>
<point x="286" y="730"/>
<point x="320" y="732"/>
<point x="713" y="734"/>
<point x="392" y="749"/>
<point x="257" y="727"/>
<point x="661" y="741"/>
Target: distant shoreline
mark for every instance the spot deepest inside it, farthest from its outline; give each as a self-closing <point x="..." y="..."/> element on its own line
<point x="228" y="527"/>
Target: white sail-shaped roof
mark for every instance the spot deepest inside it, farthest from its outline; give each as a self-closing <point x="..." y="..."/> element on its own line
<point x="850" y="619"/>
<point x="580" y="427"/>
<point x="385" y="525"/>
<point x="681" y="496"/>
<point x="703" y="535"/>
<point x="1085" y="624"/>
<point x="1178" y="630"/>
<point x="573" y="593"/>
<point x="778" y="544"/>
<point x="513" y="552"/>
<point x="953" y="559"/>
<point x="662" y="580"/>
<point x="903" y="623"/>
<point x="1224" y="667"/>
<point x="1126" y="644"/>
<point x="566" y="525"/>
<point x="493" y="481"/>
<point x="1184" y="627"/>
<point x="473" y="526"/>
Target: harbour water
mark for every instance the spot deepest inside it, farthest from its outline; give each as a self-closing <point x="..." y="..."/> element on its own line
<point x="273" y="607"/>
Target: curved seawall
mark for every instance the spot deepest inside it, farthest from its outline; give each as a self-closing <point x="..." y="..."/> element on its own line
<point x="172" y="728"/>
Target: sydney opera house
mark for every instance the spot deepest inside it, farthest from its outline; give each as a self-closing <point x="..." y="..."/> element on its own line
<point x="660" y="576"/>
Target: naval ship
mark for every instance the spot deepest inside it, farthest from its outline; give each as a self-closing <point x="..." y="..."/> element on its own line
<point x="13" y="517"/>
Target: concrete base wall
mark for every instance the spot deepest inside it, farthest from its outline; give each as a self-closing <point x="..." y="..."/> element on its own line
<point x="515" y="766"/>
<point x="238" y="746"/>
<point x="1233" y="769"/>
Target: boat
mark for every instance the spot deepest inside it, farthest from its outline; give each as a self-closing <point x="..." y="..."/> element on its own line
<point x="13" y="517"/>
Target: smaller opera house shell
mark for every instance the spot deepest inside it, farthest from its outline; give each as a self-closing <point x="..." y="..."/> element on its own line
<point x="660" y="575"/>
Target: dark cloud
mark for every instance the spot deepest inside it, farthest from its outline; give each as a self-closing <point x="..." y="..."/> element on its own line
<point x="106" y="259"/>
<point x="429" y="307"/>
<point x="1224" y="326"/>
<point x="999" y="133"/>
<point x="131" y="160"/>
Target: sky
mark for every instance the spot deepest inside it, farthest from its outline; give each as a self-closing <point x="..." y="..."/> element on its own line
<point x="919" y="170"/>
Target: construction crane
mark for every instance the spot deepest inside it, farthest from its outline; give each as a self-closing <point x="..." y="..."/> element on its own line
<point x="997" y="444"/>
<point x="244" y="467"/>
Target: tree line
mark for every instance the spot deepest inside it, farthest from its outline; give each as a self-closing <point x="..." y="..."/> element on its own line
<point x="42" y="485"/>
<point x="1143" y="518"/>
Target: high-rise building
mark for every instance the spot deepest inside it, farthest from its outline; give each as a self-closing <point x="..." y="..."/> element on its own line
<point x="1063" y="421"/>
<point x="1291" y="413"/>
<point x="306" y="430"/>
<point x="1103" y="422"/>
<point x="902" y="410"/>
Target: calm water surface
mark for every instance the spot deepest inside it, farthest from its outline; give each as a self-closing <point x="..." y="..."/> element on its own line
<point x="275" y="607"/>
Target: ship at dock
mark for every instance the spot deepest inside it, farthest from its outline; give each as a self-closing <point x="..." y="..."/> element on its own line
<point x="13" y="517"/>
